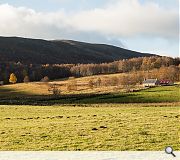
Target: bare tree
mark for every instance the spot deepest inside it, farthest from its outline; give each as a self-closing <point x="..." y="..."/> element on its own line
<point x="106" y="82"/>
<point x="98" y="82"/>
<point x="45" y="79"/>
<point x="114" y="81"/>
<point x="53" y="88"/>
<point x="72" y="86"/>
<point x="26" y="79"/>
<point x="91" y="84"/>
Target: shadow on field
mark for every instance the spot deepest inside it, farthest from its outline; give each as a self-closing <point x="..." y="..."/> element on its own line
<point x="11" y="97"/>
<point x="9" y="93"/>
<point x="6" y="90"/>
<point x="73" y="99"/>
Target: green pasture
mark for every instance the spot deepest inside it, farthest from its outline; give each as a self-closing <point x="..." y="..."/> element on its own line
<point x="117" y="127"/>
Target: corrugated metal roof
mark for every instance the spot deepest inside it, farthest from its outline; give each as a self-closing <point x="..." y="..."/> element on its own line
<point x="150" y="81"/>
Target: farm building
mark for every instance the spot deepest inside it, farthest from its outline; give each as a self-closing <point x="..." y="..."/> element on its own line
<point x="1" y="83"/>
<point x="151" y="82"/>
<point x="166" y="82"/>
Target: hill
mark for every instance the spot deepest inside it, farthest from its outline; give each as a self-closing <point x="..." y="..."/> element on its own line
<point x="37" y="51"/>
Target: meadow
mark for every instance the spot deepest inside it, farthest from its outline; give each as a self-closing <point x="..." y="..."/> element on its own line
<point x="100" y="118"/>
<point x="37" y="94"/>
<point x="134" y="127"/>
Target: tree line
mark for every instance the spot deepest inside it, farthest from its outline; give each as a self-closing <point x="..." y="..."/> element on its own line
<point x="159" y="67"/>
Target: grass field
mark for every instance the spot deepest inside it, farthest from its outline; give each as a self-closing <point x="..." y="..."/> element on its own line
<point x="90" y="127"/>
<point x="152" y="95"/>
<point x="31" y="94"/>
<point x="102" y="118"/>
<point x="36" y="93"/>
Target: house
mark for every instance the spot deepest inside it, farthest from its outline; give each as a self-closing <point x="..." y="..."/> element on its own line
<point x="151" y="82"/>
<point x="166" y="83"/>
<point x="1" y="83"/>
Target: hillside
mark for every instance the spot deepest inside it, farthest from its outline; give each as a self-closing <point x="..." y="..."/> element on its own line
<point x="37" y="51"/>
<point x="37" y="92"/>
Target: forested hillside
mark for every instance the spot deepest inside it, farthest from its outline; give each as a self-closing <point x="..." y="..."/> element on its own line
<point x="36" y="51"/>
<point x="156" y="67"/>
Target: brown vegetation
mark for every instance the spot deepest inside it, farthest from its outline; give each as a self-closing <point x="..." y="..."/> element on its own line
<point x="152" y="67"/>
<point x="53" y="88"/>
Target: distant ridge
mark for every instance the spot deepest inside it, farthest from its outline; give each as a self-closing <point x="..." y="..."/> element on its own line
<point x="38" y="51"/>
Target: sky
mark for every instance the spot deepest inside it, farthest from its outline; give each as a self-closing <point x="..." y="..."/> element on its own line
<point x="150" y="26"/>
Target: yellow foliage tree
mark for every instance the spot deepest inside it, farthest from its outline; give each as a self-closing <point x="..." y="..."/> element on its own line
<point x="13" y="78"/>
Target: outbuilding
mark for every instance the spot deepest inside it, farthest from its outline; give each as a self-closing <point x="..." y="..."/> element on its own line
<point x="1" y="83"/>
<point x="151" y="82"/>
<point x="166" y="82"/>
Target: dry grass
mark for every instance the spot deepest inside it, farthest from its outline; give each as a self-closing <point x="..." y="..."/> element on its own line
<point x="24" y="88"/>
<point x="85" y="94"/>
<point x="40" y="88"/>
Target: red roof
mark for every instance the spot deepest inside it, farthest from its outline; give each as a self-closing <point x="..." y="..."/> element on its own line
<point x="165" y="81"/>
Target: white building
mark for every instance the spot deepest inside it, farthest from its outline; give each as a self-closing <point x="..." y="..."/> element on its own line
<point x="151" y="82"/>
<point x="1" y="83"/>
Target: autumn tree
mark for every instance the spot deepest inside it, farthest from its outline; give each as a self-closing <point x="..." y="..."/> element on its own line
<point x="173" y="72"/>
<point x="26" y="79"/>
<point x="138" y="77"/>
<point x="45" y="79"/>
<point x="148" y="65"/>
<point x="126" y="82"/>
<point x="13" y="78"/>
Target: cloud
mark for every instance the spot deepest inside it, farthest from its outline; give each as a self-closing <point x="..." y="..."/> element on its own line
<point x="129" y="18"/>
<point x="123" y="18"/>
<point x="22" y="21"/>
